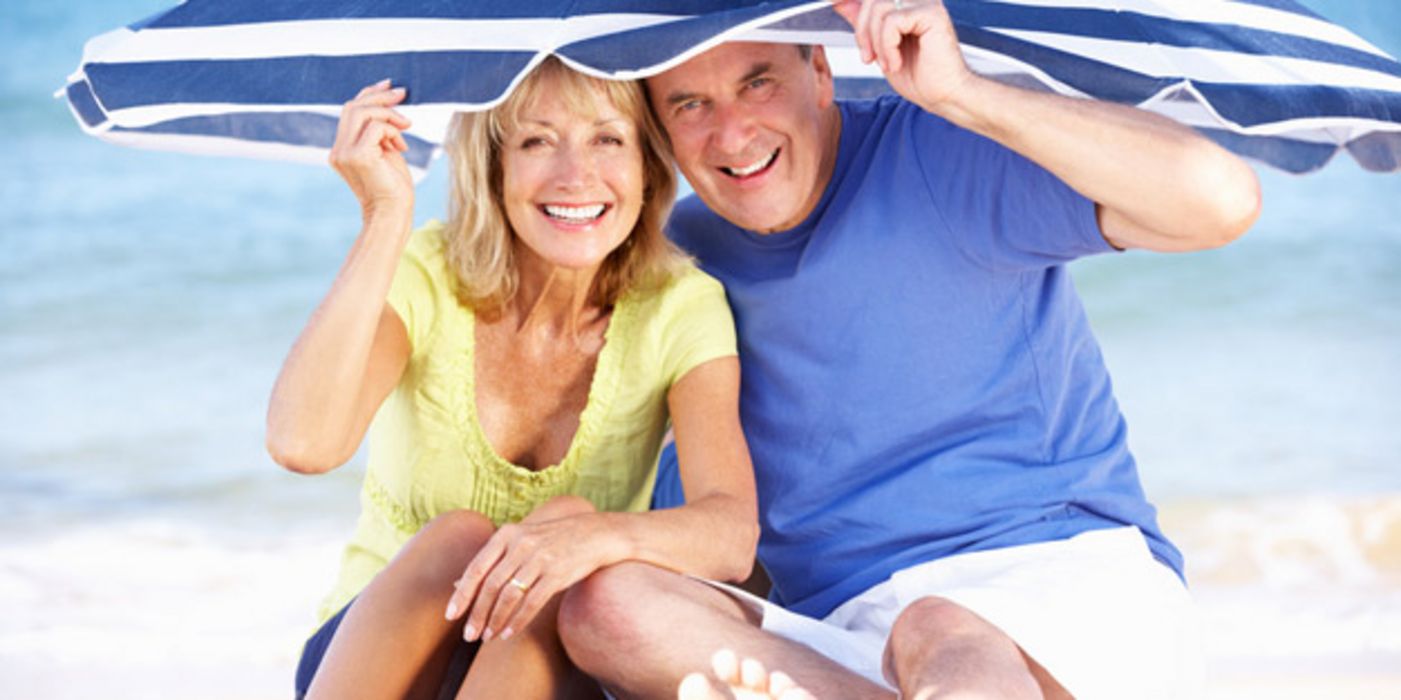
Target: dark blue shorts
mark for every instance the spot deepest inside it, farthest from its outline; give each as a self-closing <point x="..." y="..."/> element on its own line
<point x="315" y="649"/>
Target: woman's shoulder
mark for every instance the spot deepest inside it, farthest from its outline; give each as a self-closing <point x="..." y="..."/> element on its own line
<point x="427" y="242"/>
<point x="685" y="283"/>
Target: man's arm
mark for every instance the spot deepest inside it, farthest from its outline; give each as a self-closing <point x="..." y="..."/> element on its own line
<point x="1157" y="184"/>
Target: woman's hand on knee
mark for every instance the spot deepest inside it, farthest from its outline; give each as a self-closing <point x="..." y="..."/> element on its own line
<point x="524" y="565"/>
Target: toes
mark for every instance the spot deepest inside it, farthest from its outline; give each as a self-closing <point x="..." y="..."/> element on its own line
<point x="696" y="687"/>
<point x="725" y="664"/>
<point x="746" y="679"/>
<point x="752" y="675"/>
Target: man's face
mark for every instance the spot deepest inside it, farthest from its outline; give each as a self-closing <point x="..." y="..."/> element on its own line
<point x="754" y="130"/>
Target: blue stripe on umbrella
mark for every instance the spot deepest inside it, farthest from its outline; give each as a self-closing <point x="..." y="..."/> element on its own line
<point x="1286" y="154"/>
<point x="1143" y="29"/>
<point x="626" y="51"/>
<point x="1086" y="75"/>
<point x="435" y="77"/>
<point x="1377" y="151"/>
<point x="226" y="13"/>
<point x="80" y="96"/>
<point x="303" y="129"/>
<point x="1253" y="105"/>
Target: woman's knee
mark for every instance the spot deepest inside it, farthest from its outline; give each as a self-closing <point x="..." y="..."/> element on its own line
<point x="440" y="551"/>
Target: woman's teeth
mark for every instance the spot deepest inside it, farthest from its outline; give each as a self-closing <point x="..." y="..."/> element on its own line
<point x="575" y="215"/>
<point x="752" y="168"/>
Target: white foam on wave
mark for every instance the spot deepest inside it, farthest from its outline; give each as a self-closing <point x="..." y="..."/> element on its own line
<point x="158" y="608"/>
<point x="1295" y="585"/>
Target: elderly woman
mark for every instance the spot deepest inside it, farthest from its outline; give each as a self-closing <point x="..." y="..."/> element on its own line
<point x="517" y="367"/>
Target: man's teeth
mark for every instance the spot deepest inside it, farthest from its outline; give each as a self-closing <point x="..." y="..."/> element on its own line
<point x="754" y="168"/>
<point x="575" y="214"/>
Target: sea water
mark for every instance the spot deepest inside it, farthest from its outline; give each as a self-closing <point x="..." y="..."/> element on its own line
<point x="147" y="299"/>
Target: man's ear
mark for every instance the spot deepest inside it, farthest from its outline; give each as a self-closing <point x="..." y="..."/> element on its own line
<point x="826" y="86"/>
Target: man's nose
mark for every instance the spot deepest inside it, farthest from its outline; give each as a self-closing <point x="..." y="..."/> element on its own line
<point x="734" y="129"/>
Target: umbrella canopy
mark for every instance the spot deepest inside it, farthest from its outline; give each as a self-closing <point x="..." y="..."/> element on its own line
<point x="1269" y="79"/>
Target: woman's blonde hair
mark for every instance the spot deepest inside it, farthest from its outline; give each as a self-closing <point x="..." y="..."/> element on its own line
<point x="479" y="236"/>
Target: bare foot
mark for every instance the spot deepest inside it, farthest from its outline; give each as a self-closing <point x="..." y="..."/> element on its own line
<point x="740" y="680"/>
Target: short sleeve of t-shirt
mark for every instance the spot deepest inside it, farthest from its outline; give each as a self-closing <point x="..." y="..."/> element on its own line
<point x="1014" y="213"/>
<point x="694" y="324"/>
<point x="421" y="282"/>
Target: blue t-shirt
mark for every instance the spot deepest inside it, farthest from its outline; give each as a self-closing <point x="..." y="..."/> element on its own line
<point x="919" y="377"/>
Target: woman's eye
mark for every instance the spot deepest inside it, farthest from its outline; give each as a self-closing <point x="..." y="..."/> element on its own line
<point x="532" y="142"/>
<point x="610" y="140"/>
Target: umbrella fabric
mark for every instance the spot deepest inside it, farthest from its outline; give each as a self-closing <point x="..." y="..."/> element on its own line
<point x="1267" y="78"/>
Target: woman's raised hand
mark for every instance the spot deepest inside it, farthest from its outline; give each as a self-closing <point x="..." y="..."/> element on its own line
<point x="369" y="148"/>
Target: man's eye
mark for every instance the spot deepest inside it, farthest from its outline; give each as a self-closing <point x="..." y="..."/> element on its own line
<point x="688" y="106"/>
<point x="758" y="83"/>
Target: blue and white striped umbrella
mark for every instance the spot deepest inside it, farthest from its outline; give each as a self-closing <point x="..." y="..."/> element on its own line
<point x="1268" y="78"/>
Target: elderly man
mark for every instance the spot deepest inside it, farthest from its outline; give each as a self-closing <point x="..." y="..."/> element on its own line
<point x="949" y="506"/>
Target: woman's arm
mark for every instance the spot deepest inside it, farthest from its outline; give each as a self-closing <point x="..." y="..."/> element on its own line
<point x="354" y="348"/>
<point x="714" y="535"/>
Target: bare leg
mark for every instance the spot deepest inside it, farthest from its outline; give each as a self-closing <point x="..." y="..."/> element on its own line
<point x="531" y="664"/>
<point x="639" y="630"/>
<point x="938" y="649"/>
<point x="394" y="641"/>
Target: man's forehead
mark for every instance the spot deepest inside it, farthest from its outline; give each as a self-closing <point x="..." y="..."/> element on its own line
<point x="727" y="63"/>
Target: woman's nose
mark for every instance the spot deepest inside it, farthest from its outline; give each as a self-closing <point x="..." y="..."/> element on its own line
<point x="574" y="167"/>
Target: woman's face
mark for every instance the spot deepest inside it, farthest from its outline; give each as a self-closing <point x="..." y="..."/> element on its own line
<point x="572" y="183"/>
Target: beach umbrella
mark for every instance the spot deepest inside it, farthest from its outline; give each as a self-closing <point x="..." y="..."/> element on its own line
<point x="1268" y="79"/>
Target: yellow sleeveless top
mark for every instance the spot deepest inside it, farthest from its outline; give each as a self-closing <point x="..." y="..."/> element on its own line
<point x="428" y="454"/>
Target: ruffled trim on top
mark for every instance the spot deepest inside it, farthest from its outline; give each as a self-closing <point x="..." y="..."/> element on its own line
<point x="517" y="490"/>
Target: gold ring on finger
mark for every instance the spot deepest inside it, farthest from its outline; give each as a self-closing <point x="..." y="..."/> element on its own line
<point x="523" y="586"/>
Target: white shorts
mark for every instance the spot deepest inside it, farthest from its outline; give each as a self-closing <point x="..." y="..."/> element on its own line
<point x="1097" y="611"/>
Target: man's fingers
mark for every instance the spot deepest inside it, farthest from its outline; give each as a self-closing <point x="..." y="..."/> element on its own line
<point x="863" y="29"/>
<point x="888" y="36"/>
<point x="848" y="9"/>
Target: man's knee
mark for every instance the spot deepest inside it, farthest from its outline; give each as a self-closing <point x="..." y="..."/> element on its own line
<point x="606" y="611"/>
<point x="935" y="617"/>
<point x="926" y="625"/>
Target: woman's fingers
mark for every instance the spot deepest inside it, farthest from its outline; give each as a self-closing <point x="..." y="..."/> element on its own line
<point x="374" y="87"/>
<point x="377" y="139"/>
<point x="518" y="606"/>
<point x="496" y="585"/>
<point x="469" y="586"/>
